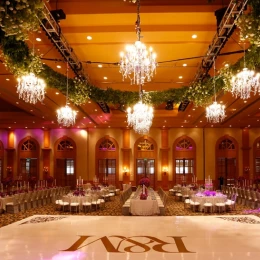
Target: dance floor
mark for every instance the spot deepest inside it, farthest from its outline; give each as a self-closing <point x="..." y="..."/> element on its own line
<point x="131" y="238"/>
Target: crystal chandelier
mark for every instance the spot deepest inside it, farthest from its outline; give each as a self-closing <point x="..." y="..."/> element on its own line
<point x="243" y="83"/>
<point x="215" y="113"/>
<point x="30" y="88"/>
<point x="141" y="117"/>
<point x="65" y="115"/>
<point x="138" y="63"/>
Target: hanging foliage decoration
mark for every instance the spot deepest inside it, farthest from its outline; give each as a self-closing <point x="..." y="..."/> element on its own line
<point x="20" y="60"/>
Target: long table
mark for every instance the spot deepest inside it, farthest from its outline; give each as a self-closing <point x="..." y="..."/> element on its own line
<point x="146" y="207"/>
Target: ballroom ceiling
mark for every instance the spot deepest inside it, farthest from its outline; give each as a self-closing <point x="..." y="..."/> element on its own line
<point x="167" y="26"/>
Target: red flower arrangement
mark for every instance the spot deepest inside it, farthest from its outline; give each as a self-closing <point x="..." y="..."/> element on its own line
<point x="145" y="181"/>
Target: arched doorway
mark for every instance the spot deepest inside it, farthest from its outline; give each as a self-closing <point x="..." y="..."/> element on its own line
<point x="28" y="159"/>
<point x="226" y="160"/>
<point x="107" y="158"/>
<point x="65" y="153"/>
<point x="184" y="159"/>
<point x="146" y="160"/>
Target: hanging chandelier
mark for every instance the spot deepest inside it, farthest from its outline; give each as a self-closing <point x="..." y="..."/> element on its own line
<point x="245" y="82"/>
<point x="30" y="88"/>
<point x="65" y="115"/>
<point x="138" y="63"/>
<point x="215" y="113"/>
<point x="141" y="117"/>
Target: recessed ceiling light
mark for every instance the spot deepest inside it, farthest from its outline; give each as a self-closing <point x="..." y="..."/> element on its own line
<point x="230" y="125"/>
<point x="226" y="65"/>
<point x="200" y="121"/>
<point x="163" y="126"/>
<point x="105" y="77"/>
<point x="220" y="102"/>
<point x="248" y="125"/>
<point x="182" y="126"/>
<point x="101" y="116"/>
<point x="42" y="126"/>
<point x="84" y="117"/>
<point x="165" y="121"/>
<point x="100" y="65"/>
<point x="188" y="115"/>
<point x="42" y="116"/>
<point x="31" y="110"/>
<point x="180" y="77"/>
<point x="38" y="39"/>
<point x="109" y="126"/>
<point x="7" y="79"/>
<point x="26" y="127"/>
<point x="196" y="126"/>
<point x="57" y="93"/>
<point x="89" y="37"/>
<point x="211" y="125"/>
<point x="17" y="103"/>
<point x="58" y="66"/>
<point x="33" y="122"/>
<point x="14" y="122"/>
<point x="257" y="120"/>
<point x="194" y="36"/>
<point x="90" y="122"/>
<point x="9" y="126"/>
<point x="89" y="102"/>
<point x="245" y="101"/>
<point x="184" y="65"/>
<point x="193" y="108"/>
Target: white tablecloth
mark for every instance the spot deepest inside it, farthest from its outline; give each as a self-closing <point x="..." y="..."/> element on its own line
<point x="209" y="199"/>
<point x="147" y="207"/>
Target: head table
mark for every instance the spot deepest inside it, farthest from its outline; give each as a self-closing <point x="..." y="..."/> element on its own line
<point x="146" y="207"/>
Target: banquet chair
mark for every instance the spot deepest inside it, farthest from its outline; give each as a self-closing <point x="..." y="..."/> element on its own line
<point x="258" y="199"/>
<point x="208" y="206"/>
<point x="13" y="207"/>
<point x="86" y="204"/>
<point x="95" y="202"/>
<point x="194" y="205"/>
<point x="178" y="196"/>
<point x="186" y="203"/>
<point x="27" y="200"/>
<point x="220" y="207"/>
<point x="74" y="204"/>
<point x="21" y="201"/>
<point x="248" y="198"/>
<point x="65" y="205"/>
<point x="33" y="199"/>
<point x="254" y="199"/>
<point x="231" y="203"/>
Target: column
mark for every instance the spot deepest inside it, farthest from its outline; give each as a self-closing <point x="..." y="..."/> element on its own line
<point x="245" y="153"/>
<point x="10" y="152"/>
<point x="126" y="150"/>
<point x="46" y="151"/>
<point x="164" y="158"/>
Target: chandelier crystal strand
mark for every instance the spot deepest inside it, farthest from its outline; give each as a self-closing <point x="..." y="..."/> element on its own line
<point x="65" y="115"/>
<point x="141" y="117"/>
<point x="138" y="63"/>
<point x="245" y="82"/>
<point x="215" y="113"/>
<point x="30" y="88"/>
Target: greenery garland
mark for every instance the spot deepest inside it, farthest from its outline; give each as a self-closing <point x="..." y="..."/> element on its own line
<point x="20" y="60"/>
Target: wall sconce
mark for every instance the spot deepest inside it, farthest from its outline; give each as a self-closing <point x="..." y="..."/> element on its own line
<point x="125" y="170"/>
<point x="9" y="169"/>
<point x="45" y="169"/>
<point x="247" y="169"/>
<point x="165" y="170"/>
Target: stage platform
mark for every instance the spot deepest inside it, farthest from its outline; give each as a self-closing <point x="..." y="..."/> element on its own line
<point x="57" y="237"/>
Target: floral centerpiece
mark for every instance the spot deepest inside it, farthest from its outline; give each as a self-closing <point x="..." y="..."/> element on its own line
<point x="7" y="181"/>
<point x="207" y="193"/>
<point x="144" y="181"/>
<point x="143" y="196"/>
<point x="79" y="193"/>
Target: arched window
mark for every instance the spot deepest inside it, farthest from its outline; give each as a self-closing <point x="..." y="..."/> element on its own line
<point x="184" y="155"/>
<point x="29" y="154"/>
<point x="226" y="160"/>
<point x="107" y="145"/>
<point x="226" y="144"/>
<point x="65" y="162"/>
<point x="65" y="145"/>
<point x="184" y="144"/>
<point x="28" y="145"/>
<point x="107" y="158"/>
<point x="145" y="145"/>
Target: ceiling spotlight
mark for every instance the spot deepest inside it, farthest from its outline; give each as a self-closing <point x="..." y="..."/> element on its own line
<point x="38" y="39"/>
<point x="105" y="78"/>
<point x="184" y="65"/>
<point x="100" y="65"/>
<point x="194" y="36"/>
<point x="58" y="66"/>
<point x="89" y="37"/>
<point x="180" y="77"/>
